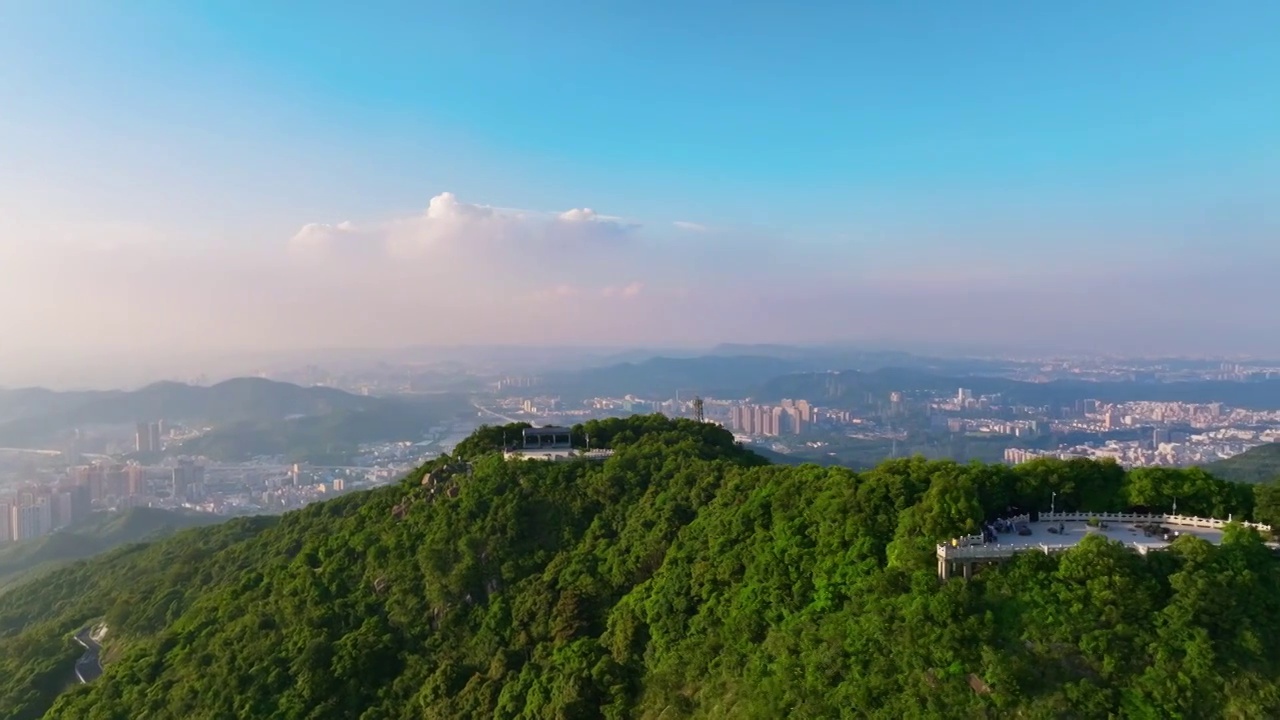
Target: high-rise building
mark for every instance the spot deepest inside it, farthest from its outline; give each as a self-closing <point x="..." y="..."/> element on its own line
<point x="81" y="505"/>
<point x="115" y="482"/>
<point x="895" y="403"/>
<point x="44" y="511"/>
<point x="135" y="481"/>
<point x="795" y="421"/>
<point x="195" y="488"/>
<point x="25" y="521"/>
<point x="776" y="420"/>
<point x="178" y="486"/>
<point x="15" y="522"/>
<point x="62" y="509"/>
<point x="95" y="479"/>
<point x="188" y="481"/>
<point x="806" y="411"/>
<point x="6" y="522"/>
<point x="147" y="438"/>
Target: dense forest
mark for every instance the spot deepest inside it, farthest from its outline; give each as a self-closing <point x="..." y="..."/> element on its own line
<point x="684" y="577"/>
<point x="1258" y="465"/>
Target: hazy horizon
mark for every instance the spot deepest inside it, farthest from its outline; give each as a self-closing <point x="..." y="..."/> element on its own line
<point x="185" y="182"/>
<point x="119" y="372"/>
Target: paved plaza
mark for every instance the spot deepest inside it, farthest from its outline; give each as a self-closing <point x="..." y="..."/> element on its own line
<point x="1075" y="531"/>
<point x="1063" y="531"/>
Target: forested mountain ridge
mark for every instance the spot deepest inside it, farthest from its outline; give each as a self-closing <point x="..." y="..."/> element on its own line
<point x="249" y="416"/>
<point x="1258" y="465"/>
<point x="683" y="577"/>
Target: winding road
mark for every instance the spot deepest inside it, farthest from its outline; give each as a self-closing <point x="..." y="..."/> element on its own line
<point x="88" y="667"/>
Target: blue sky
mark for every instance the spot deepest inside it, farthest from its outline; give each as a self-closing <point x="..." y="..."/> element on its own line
<point x="968" y="148"/>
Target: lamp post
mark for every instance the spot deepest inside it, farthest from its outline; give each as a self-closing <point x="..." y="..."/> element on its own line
<point x="1052" y="501"/>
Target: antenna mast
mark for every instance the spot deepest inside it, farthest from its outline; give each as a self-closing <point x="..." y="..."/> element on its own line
<point x="698" y="414"/>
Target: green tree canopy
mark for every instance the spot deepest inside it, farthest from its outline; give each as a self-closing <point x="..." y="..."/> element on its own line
<point x="682" y="577"/>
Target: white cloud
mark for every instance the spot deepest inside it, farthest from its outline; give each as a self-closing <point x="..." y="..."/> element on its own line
<point x="690" y="226"/>
<point x="561" y="291"/>
<point x="445" y="206"/>
<point x="459" y="260"/>
<point x="630" y="290"/>
<point x="577" y="292"/>
<point x="343" y="239"/>
<point x="579" y="215"/>
<point x="453" y="231"/>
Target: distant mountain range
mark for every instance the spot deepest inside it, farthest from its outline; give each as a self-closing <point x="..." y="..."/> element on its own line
<point x="852" y="386"/>
<point x="664" y="377"/>
<point x="243" y="406"/>
<point x="240" y="398"/>
<point x="841" y="377"/>
<point x="732" y="371"/>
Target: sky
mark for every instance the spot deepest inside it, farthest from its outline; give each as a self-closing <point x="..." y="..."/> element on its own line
<point x="224" y="176"/>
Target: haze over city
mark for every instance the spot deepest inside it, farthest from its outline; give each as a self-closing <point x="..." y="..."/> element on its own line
<point x="186" y="181"/>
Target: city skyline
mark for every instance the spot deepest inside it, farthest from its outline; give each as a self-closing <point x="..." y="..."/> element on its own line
<point x="214" y="181"/>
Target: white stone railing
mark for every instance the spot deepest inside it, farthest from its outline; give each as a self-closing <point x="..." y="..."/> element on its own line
<point x="1162" y="518"/>
<point x="974" y="551"/>
<point x="979" y="552"/>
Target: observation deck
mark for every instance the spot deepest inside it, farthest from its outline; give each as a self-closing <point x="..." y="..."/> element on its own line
<point x="964" y="554"/>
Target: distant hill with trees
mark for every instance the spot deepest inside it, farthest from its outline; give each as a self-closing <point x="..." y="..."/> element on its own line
<point x="1256" y="465"/>
<point x="330" y="438"/>
<point x="98" y="533"/>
